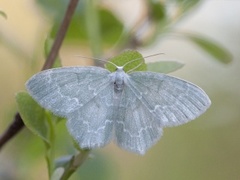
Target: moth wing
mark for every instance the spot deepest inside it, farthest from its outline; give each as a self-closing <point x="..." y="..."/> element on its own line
<point x="63" y="90"/>
<point x="171" y="100"/>
<point x="81" y="94"/>
<point x="151" y="101"/>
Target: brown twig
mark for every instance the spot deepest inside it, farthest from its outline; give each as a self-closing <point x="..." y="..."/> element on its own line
<point x="60" y="35"/>
<point x="17" y="123"/>
<point x="12" y="130"/>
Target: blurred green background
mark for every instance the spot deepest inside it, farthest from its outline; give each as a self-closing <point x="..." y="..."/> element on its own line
<point x="207" y="148"/>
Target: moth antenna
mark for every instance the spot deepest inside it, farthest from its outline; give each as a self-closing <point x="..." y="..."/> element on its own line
<point x="152" y="55"/>
<point x="135" y="67"/>
<point x="139" y="59"/>
<point x="97" y="59"/>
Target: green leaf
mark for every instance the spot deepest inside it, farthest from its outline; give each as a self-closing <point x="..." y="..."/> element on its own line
<point x="64" y="161"/>
<point x="74" y="163"/>
<point x="76" y="31"/>
<point x="57" y="174"/>
<point x="134" y="57"/>
<point x="187" y="4"/>
<point x="33" y="115"/>
<point x="164" y="66"/>
<point x="47" y="48"/>
<point x="111" y="27"/>
<point x="40" y="123"/>
<point x="102" y="27"/>
<point x="3" y="14"/>
<point x="212" y="48"/>
<point x="56" y="118"/>
<point x="156" y="10"/>
<point x="101" y="23"/>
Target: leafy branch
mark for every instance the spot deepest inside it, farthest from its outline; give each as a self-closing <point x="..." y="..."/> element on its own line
<point x="98" y="32"/>
<point x="17" y="124"/>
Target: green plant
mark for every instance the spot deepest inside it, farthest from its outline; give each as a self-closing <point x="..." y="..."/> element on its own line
<point x="97" y="27"/>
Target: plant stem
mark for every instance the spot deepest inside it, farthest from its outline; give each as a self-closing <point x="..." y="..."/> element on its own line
<point x="75" y="163"/>
<point x="60" y="35"/>
<point x="50" y="148"/>
<point x="17" y="123"/>
<point x="12" y="130"/>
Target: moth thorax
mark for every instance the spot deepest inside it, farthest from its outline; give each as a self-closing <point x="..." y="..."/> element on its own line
<point x="119" y="79"/>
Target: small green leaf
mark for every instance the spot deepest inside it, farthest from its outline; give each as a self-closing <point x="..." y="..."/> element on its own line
<point x="156" y="10"/>
<point x="33" y="115"/>
<point x="3" y="14"/>
<point x="211" y="47"/>
<point x="74" y="163"/>
<point x="57" y="174"/>
<point x="164" y="66"/>
<point x="134" y="57"/>
<point x="64" y="161"/>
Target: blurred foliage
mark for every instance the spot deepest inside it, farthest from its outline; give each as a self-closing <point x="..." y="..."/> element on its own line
<point x="98" y="27"/>
<point x="210" y="47"/>
<point x="3" y="14"/>
<point x="164" y="66"/>
<point x="91" y="25"/>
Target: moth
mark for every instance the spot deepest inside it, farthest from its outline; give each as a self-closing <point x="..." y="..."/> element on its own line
<point x="131" y="108"/>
